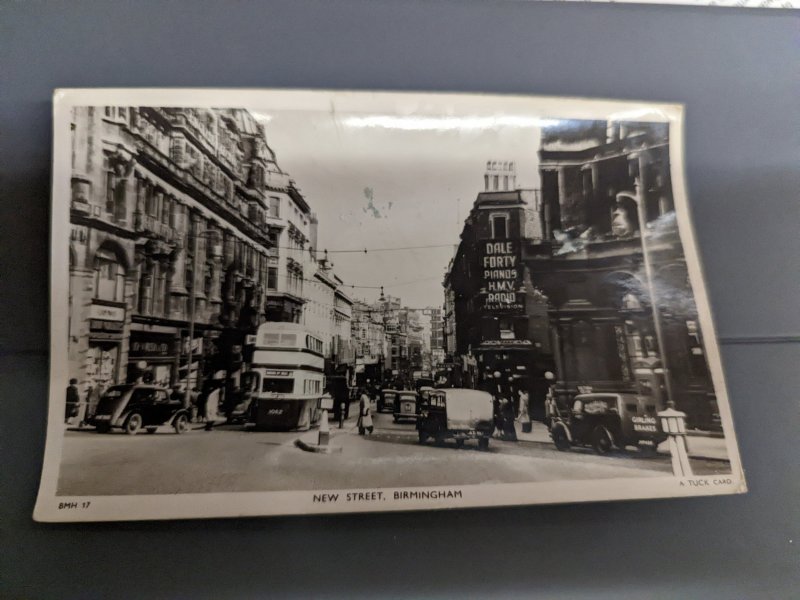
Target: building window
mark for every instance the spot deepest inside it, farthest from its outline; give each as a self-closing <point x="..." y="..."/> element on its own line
<point x="272" y="278"/>
<point x="274" y="207"/>
<point x="499" y="227"/>
<point x="109" y="277"/>
<point x="145" y="291"/>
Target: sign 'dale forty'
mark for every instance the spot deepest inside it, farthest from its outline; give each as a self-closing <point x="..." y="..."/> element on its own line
<point x="502" y="281"/>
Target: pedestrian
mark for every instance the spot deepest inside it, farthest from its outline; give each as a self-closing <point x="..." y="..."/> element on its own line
<point x="507" y="413"/>
<point x="214" y="400"/>
<point x="548" y="394"/>
<point x="92" y="400"/>
<point x="202" y="403"/>
<point x="524" y="411"/>
<point x="73" y="400"/>
<point x="80" y="415"/>
<point x="364" y="414"/>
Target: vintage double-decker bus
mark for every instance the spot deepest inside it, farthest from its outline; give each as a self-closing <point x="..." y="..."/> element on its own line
<point x="286" y="377"/>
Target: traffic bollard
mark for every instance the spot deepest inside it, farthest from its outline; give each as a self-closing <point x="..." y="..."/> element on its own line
<point x="673" y="423"/>
<point x="324" y="430"/>
<point x="342" y="408"/>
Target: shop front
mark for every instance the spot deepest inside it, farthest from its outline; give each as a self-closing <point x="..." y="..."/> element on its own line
<point x="106" y="333"/>
<point x="153" y="357"/>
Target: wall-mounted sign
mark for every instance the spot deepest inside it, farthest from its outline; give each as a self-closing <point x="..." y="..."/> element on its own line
<point x="151" y="345"/>
<point x="501" y="274"/>
<point x="105" y="312"/>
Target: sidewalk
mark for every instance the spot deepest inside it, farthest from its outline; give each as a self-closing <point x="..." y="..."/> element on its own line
<point x="700" y="445"/>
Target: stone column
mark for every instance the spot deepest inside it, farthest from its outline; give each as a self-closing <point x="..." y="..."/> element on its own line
<point x="644" y="183"/>
<point x="179" y="261"/>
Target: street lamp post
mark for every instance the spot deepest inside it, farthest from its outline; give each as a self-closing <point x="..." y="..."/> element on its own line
<point x="192" y="306"/>
<point x="648" y="269"/>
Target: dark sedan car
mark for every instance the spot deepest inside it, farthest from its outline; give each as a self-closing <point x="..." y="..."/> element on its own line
<point x="135" y="406"/>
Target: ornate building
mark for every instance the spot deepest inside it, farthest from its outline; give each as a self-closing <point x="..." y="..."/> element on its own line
<point x="495" y="319"/>
<point x="170" y="207"/>
<point x="602" y="301"/>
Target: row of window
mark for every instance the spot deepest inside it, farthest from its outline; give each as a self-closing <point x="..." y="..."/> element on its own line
<point x="286" y="386"/>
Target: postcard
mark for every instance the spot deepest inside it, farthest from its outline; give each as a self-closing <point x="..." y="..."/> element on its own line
<point x="274" y="302"/>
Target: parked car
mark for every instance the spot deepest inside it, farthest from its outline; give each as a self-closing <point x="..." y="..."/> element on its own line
<point x="458" y="414"/>
<point x="387" y="400"/>
<point x="133" y="407"/>
<point x="605" y="420"/>
<point x="406" y="407"/>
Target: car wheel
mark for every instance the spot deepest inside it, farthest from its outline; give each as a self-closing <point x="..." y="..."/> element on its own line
<point x="151" y="429"/>
<point x="560" y="439"/>
<point x="181" y="423"/>
<point x="601" y="440"/>
<point x="483" y="444"/>
<point x="133" y="424"/>
<point x="423" y="437"/>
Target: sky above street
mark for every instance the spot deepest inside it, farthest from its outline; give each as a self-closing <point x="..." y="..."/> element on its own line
<point x="391" y="180"/>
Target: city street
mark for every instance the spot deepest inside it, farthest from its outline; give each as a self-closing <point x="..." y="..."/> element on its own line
<point x="228" y="459"/>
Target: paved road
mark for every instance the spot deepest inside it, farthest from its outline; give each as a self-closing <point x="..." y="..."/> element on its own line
<point x="229" y="459"/>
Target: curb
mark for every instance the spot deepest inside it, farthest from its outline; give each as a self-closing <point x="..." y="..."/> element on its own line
<point x="315" y="448"/>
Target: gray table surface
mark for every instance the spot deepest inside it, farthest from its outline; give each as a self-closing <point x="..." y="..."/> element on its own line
<point x="736" y="70"/>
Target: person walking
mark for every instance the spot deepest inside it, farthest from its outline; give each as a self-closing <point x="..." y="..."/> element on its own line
<point x="202" y="403"/>
<point x="364" y="414"/>
<point x="524" y="411"/>
<point x="92" y="400"/>
<point x="507" y="419"/>
<point x="214" y="399"/>
<point x="73" y="400"/>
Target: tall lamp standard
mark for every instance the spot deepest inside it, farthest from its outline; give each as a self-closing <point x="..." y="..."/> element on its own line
<point x="648" y="269"/>
<point x="216" y="252"/>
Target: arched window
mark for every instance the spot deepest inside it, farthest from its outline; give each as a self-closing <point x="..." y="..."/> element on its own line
<point x="109" y="276"/>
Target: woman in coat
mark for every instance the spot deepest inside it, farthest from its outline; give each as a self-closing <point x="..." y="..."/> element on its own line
<point x="364" y="414"/>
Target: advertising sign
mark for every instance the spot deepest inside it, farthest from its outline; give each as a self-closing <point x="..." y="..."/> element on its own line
<point x="501" y="273"/>
<point x="152" y="345"/>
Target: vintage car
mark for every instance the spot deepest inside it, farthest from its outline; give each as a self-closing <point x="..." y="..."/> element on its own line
<point x="423" y="382"/>
<point x="424" y="392"/>
<point x="406" y="407"/>
<point x="458" y="414"/>
<point x="135" y="406"/>
<point x="606" y="420"/>
<point x="387" y="400"/>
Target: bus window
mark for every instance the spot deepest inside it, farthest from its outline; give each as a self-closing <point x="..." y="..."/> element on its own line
<point x="289" y="339"/>
<point x="271" y="339"/>
<point x="278" y="386"/>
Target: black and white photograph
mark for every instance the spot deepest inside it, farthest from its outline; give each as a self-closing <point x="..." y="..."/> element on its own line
<point x="290" y="302"/>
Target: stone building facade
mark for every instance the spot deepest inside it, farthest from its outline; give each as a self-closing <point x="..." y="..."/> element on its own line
<point x="495" y="319"/>
<point x="167" y="203"/>
<point x="590" y="264"/>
